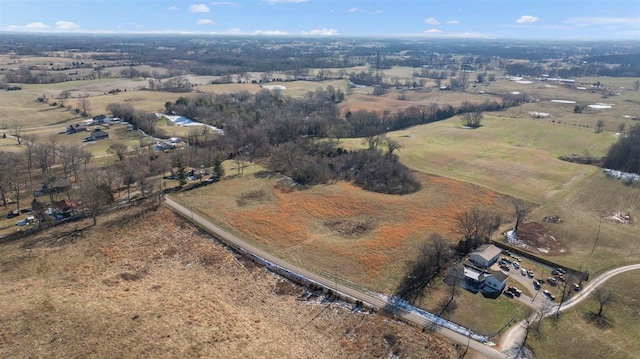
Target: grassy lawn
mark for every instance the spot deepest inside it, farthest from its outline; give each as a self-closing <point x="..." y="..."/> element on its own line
<point x="485" y="316"/>
<point x="573" y="336"/>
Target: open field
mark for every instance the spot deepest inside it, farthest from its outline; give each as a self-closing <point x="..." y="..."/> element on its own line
<point x="151" y="285"/>
<point x="514" y="157"/>
<point x="583" y="210"/>
<point x="366" y="236"/>
<point x="573" y="336"/>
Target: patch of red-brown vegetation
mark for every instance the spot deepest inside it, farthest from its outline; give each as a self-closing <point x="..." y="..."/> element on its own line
<point x="384" y="230"/>
<point x="537" y="237"/>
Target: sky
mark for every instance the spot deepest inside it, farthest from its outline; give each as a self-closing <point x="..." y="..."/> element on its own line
<point x="493" y="19"/>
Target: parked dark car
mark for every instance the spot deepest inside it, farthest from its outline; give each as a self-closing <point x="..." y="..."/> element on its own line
<point x="12" y="214"/>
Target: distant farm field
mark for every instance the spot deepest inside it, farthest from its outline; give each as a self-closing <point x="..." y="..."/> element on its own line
<point x="512" y="156"/>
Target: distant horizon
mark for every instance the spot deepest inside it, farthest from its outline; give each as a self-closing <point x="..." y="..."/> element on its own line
<point x="312" y="37"/>
<point x="586" y="20"/>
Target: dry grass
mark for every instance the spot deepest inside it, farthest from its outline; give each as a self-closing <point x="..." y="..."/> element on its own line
<point x="293" y="224"/>
<point x="573" y="336"/>
<point x="581" y="209"/>
<point x="515" y="157"/>
<point x="151" y="285"/>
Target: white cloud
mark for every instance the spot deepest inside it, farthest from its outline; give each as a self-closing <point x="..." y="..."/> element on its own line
<point x="172" y="8"/>
<point x="66" y="25"/>
<point x="527" y="19"/>
<point x="234" y="30"/>
<point x="431" y="21"/>
<point x="432" y="31"/>
<point x="33" y="26"/>
<point x="199" y="8"/>
<point x="453" y="22"/>
<point x="598" y="20"/>
<point x="353" y="9"/>
<point x="284" y="1"/>
<point x="36" y="25"/>
<point x="269" y="32"/>
<point x="204" y="22"/>
<point x="321" y="32"/>
<point x="377" y="12"/>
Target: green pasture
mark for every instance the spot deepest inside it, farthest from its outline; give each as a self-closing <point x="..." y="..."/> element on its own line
<point x="517" y="157"/>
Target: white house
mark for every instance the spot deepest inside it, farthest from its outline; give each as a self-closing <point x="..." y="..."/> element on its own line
<point x="495" y="281"/>
<point x="485" y="255"/>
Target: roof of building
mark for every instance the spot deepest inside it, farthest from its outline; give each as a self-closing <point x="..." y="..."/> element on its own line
<point x="99" y="134"/>
<point x="499" y="275"/>
<point x="473" y="274"/>
<point x="487" y="251"/>
<point x="65" y="203"/>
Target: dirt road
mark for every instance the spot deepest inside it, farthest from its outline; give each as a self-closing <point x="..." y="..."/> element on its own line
<point x="514" y="336"/>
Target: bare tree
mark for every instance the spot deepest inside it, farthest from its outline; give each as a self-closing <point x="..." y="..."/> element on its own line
<point x="84" y="104"/>
<point x="72" y="157"/>
<point x="43" y="155"/>
<point x="636" y="85"/>
<point x="599" y="126"/>
<point x="18" y="180"/>
<point x="95" y="193"/>
<point x="565" y="292"/>
<point x="432" y="257"/>
<point x="17" y="132"/>
<point x="9" y="166"/>
<point x="64" y="95"/>
<point x="124" y="111"/>
<point x="475" y="226"/>
<point x="621" y="127"/>
<point x="521" y="210"/>
<point x="471" y="223"/>
<point x="392" y="145"/>
<point x="30" y="141"/>
<point x="472" y="119"/>
<point x="373" y="142"/>
<point x="53" y="142"/>
<point x="603" y="297"/>
<point x="119" y="149"/>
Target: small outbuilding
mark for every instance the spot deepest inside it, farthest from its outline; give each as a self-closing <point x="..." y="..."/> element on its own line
<point x="99" y="135"/>
<point x="485" y="255"/>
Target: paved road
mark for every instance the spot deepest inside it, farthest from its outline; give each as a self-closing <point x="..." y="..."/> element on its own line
<point x="514" y="335"/>
<point x="415" y="318"/>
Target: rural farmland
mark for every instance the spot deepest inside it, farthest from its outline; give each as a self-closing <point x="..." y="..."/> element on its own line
<point x="403" y="197"/>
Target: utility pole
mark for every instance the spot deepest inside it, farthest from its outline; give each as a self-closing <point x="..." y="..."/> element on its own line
<point x="597" y="236"/>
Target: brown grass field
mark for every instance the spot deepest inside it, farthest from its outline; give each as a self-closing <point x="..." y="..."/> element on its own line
<point x="366" y="236"/>
<point x="151" y="285"/>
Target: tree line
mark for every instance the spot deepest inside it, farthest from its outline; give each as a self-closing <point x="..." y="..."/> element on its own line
<point x="624" y="155"/>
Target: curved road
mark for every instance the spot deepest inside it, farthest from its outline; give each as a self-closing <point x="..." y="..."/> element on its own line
<point x="514" y="336"/>
<point x="376" y="302"/>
